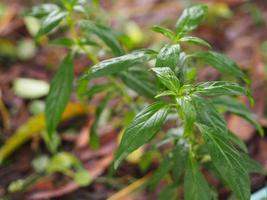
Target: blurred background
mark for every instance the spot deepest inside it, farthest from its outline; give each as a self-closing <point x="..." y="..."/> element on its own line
<point x="236" y="27"/>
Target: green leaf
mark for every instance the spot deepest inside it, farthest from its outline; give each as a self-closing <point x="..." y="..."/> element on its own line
<point x="221" y="63"/>
<point x="182" y="68"/>
<point x="82" y="177"/>
<point x="239" y="109"/>
<point x="188" y="112"/>
<point x="52" y="142"/>
<point x="105" y="34"/>
<point x="50" y="22"/>
<point x="165" y="93"/>
<point x="167" y="78"/>
<point x="164" y="31"/>
<point x="138" y="79"/>
<point x="59" y="94"/>
<point x="169" y="56"/>
<point x="62" y="162"/>
<point x="195" y="40"/>
<point x="40" y="11"/>
<point x="217" y="88"/>
<point x="179" y="156"/>
<point x="40" y="163"/>
<point x="252" y="165"/>
<point x="208" y="115"/>
<point x="64" y="42"/>
<point x="143" y="128"/>
<point x="228" y="161"/>
<point x="237" y="141"/>
<point x="196" y="187"/>
<point x="118" y="64"/>
<point x="17" y="185"/>
<point x="190" y="19"/>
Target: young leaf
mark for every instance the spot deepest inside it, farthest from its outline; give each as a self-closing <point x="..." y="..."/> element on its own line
<point x="239" y="109"/>
<point x="167" y="78"/>
<point x="164" y="31"/>
<point x="196" y="187"/>
<point x="40" y="163"/>
<point x="59" y="94"/>
<point x="69" y="4"/>
<point x="221" y="63"/>
<point x="118" y="64"/>
<point x="61" y="162"/>
<point x="216" y="88"/>
<point x="169" y="56"/>
<point x="50" y="22"/>
<point x="208" y="115"/>
<point x="228" y="161"/>
<point x="190" y="19"/>
<point x="166" y="93"/>
<point x="82" y="177"/>
<point x="195" y="40"/>
<point x="143" y="128"/>
<point x="138" y="79"/>
<point x="105" y="34"/>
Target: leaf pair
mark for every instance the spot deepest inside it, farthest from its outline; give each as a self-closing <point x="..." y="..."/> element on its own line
<point x="228" y="161"/>
<point x="189" y="20"/>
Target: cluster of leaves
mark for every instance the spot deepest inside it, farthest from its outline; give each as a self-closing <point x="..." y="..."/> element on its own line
<point x="82" y="36"/>
<point x="205" y="141"/>
<point x="90" y="38"/>
<point x="196" y="105"/>
<point x="43" y="166"/>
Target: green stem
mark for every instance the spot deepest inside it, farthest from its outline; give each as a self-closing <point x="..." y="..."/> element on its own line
<point x="90" y="55"/>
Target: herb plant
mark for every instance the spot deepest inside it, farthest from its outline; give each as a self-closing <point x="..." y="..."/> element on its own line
<point x="201" y="140"/>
